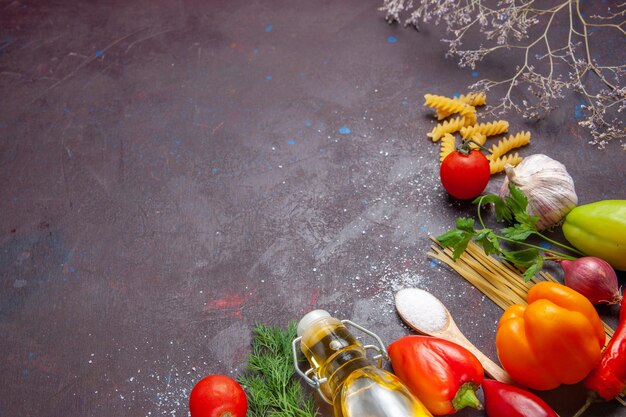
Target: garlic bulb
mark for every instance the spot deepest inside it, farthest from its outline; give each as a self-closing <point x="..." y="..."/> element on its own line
<point x="547" y="186"/>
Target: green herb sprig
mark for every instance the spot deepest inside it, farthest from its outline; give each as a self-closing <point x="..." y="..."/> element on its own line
<point x="512" y="209"/>
<point x="270" y="381"/>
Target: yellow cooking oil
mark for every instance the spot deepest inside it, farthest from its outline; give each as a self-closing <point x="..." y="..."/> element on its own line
<point x="354" y="385"/>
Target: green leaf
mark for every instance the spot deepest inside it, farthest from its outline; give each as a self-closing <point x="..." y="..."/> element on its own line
<point x="516" y="200"/>
<point x="460" y="248"/>
<point x="512" y="209"/>
<point x="524" y="258"/>
<point x="488" y="241"/>
<point x="527" y="220"/>
<point x="466" y="224"/>
<point x="530" y="272"/>
<point x="501" y="209"/>
<point x="457" y="240"/>
<point x="519" y="232"/>
<point x="518" y="203"/>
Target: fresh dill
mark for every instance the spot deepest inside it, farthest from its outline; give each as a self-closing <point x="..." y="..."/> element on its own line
<point x="270" y="381"/>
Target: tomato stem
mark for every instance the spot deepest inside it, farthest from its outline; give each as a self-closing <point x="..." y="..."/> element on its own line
<point x="479" y="145"/>
<point x="465" y="148"/>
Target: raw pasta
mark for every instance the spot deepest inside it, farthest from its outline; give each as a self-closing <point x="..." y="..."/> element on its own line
<point x="473" y="99"/>
<point x="447" y="146"/>
<point x="478" y="140"/>
<point x="512" y="142"/>
<point x="449" y="105"/>
<point x="488" y="129"/>
<point x="497" y="165"/>
<point x="448" y="126"/>
<point x="466" y="124"/>
<point x="469" y="112"/>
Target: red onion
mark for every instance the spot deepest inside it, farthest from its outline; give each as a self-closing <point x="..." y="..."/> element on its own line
<point x="592" y="277"/>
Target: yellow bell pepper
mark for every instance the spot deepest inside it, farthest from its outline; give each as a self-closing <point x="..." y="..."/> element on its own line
<point x="556" y="339"/>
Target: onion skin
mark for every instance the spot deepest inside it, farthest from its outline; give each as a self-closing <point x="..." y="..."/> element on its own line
<point x="592" y="277"/>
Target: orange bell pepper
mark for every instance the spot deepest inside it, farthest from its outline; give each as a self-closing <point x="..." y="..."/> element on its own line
<point x="556" y="339"/>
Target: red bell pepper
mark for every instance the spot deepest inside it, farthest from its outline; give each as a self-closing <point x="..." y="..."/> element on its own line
<point x="442" y="374"/>
<point x="504" y="400"/>
<point x="607" y="380"/>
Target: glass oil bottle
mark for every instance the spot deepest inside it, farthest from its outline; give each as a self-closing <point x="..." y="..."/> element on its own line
<point x="344" y="375"/>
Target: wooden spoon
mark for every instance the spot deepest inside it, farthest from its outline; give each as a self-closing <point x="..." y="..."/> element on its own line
<point x="424" y="313"/>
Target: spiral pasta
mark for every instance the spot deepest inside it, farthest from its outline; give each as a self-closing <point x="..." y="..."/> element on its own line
<point x="478" y="140"/>
<point x="448" y="126"/>
<point x="473" y="99"/>
<point x="497" y="165"/>
<point x="512" y="142"/>
<point x="466" y="124"/>
<point x="448" y="105"/>
<point x="487" y="129"/>
<point x="469" y="112"/>
<point x="447" y="146"/>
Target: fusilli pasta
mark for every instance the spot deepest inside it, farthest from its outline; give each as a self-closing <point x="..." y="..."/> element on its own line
<point x="497" y="165"/>
<point x="473" y="99"/>
<point x="512" y="142"/>
<point x="469" y="112"/>
<point x="447" y="146"/>
<point x="478" y="140"/>
<point x="487" y="129"/>
<point x="447" y="126"/>
<point x="448" y="105"/>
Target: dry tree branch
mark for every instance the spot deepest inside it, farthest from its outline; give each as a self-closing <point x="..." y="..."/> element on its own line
<point x="554" y="59"/>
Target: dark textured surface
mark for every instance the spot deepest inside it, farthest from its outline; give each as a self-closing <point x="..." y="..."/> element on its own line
<point x="174" y="172"/>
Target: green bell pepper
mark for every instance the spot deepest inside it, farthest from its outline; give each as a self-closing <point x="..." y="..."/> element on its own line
<point x="599" y="229"/>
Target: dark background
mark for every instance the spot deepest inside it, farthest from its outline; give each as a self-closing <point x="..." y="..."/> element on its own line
<point x="173" y="172"/>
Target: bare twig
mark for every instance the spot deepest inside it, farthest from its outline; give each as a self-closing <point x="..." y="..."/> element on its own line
<point x="553" y="59"/>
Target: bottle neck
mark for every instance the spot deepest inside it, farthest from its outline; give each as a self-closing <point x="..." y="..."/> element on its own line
<point x="333" y="352"/>
<point x="343" y="365"/>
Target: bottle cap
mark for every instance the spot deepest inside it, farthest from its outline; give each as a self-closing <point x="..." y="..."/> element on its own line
<point x="310" y="318"/>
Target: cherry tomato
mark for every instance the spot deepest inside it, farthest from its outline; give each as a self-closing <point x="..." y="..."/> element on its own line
<point x="218" y="396"/>
<point x="463" y="175"/>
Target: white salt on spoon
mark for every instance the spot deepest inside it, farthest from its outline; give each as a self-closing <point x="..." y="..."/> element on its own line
<point x="424" y="313"/>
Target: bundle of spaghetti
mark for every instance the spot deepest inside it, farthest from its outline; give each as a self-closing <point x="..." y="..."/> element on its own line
<point x="505" y="145"/>
<point x="498" y="164"/>
<point x="473" y="99"/>
<point x="487" y="129"/>
<point x="448" y="126"/>
<point x="500" y="281"/>
<point x="448" y="143"/>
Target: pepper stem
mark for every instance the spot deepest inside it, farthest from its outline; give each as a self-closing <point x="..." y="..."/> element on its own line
<point x="466" y="397"/>
<point x="590" y="400"/>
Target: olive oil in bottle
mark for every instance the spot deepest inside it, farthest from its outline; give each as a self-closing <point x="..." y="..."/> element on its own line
<point x="346" y="377"/>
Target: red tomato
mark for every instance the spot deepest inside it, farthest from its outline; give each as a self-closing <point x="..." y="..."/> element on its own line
<point x="218" y="396"/>
<point x="465" y="176"/>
